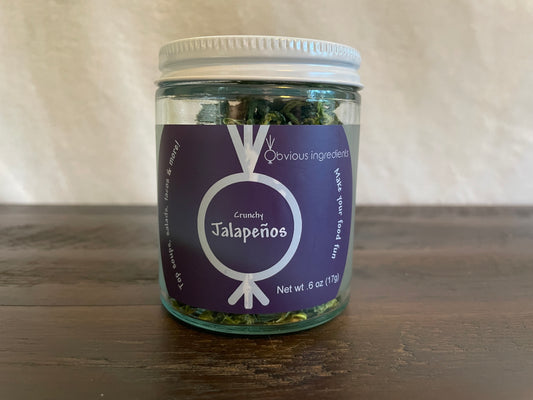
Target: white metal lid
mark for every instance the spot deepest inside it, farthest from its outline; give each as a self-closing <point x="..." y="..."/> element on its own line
<point x="261" y="58"/>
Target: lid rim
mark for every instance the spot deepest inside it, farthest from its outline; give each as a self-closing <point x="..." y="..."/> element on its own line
<point x="243" y="53"/>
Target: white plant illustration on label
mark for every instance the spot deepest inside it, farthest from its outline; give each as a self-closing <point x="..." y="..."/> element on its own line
<point x="270" y="154"/>
<point x="248" y="152"/>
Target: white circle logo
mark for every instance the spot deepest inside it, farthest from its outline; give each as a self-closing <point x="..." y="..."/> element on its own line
<point x="248" y="153"/>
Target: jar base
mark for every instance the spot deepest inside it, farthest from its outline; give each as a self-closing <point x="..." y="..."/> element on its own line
<point x="258" y="328"/>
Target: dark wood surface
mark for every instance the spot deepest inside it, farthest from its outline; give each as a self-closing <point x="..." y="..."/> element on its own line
<point x="441" y="308"/>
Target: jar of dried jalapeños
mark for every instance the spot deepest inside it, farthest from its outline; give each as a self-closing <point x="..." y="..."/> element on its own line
<point x="257" y="143"/>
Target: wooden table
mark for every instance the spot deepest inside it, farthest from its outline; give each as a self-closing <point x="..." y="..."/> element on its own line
<point x="441" y="308"/>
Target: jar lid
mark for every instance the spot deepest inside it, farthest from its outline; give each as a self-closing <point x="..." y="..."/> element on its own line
<point x="259" y="58"/>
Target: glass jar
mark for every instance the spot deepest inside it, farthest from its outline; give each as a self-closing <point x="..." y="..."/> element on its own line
<point x="257" y="144"/>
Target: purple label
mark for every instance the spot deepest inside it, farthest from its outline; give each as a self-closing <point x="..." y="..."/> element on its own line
<point x="254" y="219"/>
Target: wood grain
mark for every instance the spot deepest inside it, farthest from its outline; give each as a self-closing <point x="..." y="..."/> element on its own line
<point x="442" y="307"/>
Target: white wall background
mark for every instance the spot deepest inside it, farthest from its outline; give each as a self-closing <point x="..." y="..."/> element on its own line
<point x="447" y="109"/>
